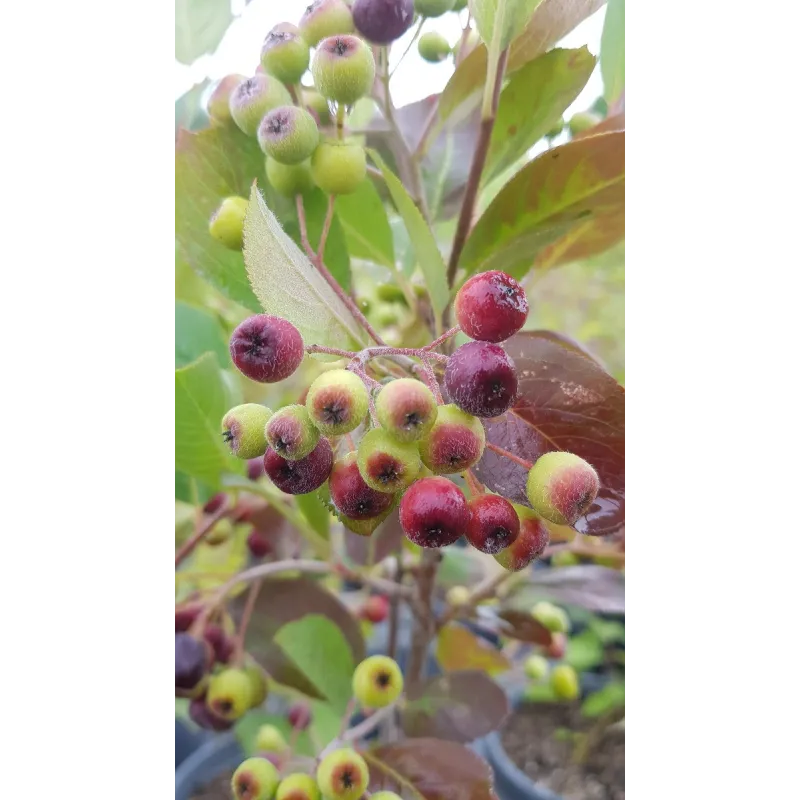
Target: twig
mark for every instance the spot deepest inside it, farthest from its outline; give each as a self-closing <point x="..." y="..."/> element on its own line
<point x="443" y="338"/>
<point x="301" y="216"/>
<point x="483" y="590"/>
<point x="410" y="45"/>
<point x="394" y="605"/>
<point x="323" y="237"/>
<point x="189" y="545"/>
<point x="360" y="730"/>
<point x="426" y="626"/>
<point x="502" y="452"/>
<point x="250" y="603"/>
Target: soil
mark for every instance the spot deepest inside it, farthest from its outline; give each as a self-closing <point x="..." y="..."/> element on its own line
<point x="217" y="789"/>
<point x="536" y="740"/>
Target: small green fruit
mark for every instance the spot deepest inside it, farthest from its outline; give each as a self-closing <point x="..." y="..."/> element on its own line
<point x="290" y="179"/>
<point x="285" y="53"/>
<point x="386" y="464"/>
<point x="243" y="430"/>
<point x="582" y="122"/>
<point x="258" y="685"/>
<point x="562" y="487"/>
<point x="458" y="595"/>
<point x="564" y="558"/>
<point x="433" y="47"/>
<point x="337" y="402"/>
<point x="433" y="8"/>
<point x="218" y="103"/>
<point x="343" y="775"/>
<point x="318" y="106"/>
<point x="253" y="98"/>
<point x="377" y="682"/>
<point x="288" y="134"/>
<point x="339" y="166"/>
<point x="390" y="293"/>
<point x="220" y="533"/>
<point x="555" y="619"/>
<point x="270" y="740"/>
<point x="298" y="787"/>
<point x="343" y="69"/>
<point x="255" y="779"/>
<point x="564" y="682"/>
<point x="406" y="409"/>
<point x="536" y="667"/>
<point x="363" y="527"/>
<point x="324" y="18"/>
<point x="229" y="693"/>
<point x="227" y="222"/>
<point x="556" y="129"/>
<point x="454" y="443"/>
<point x="291" y="434"/>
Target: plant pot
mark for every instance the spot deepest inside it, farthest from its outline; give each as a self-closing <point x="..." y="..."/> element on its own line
<point x="187" y="740"/>
<point x="220" y="753"/>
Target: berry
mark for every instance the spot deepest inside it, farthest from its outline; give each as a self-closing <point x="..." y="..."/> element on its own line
<point x="218" y="108"/>
<point x="325" y="18"/>
<point x="529" y="545"/>
<point x="338" y="166"/>
<point x="253" y="98"/>
<point x="562" y="487"/>
<point x="343" y="69"/>
<point x="582" y="122"/>
<point x="219" y="642"/>
<point x="317" y="106"/>
<point x="564" y="559"/>
<point x="255" y="779"/>
<point x="364" y="527"/>
<point x="266" y="349"/>
<point x="220" y="533"/>
<point x="386" y="464"/>
<point x="337" y="402"/>
<point x="243" y="430"/>
<point x="491" y="307"/>
<point x="288" y="134"/>
<point x="343" y="775"/>
<point x="434" y="512"/>
<point x="303" y="476"/>
<point x="299" y="716"/>
<point x="375" y="609"/>
<point x="258" y="543"/>
<point x="457" y="595"/>
<point x="555" y="619"/>
<point x="557" y="646"/>
<point x="350" y="494"/>
<point x="564" y="682"/>
<point x="229" y="693"/>
<point x="385" y="796"/>
<point x="291" y="434"/>
<point x="383" y="21"/>
<point x="455" y="442"/>
<point x="185" y="616"/>
<point x="258" y="685"/>
<point x="556" y="129"/>
<point x="536" y="667"/>
<point x="226" y="224"/>
<point x="191" y="665"/>
<point x="290" y="179"/>
<point x="202" y="716"/>
<point x="433" y="8"/>
<point x="493" y="523"/>
<point x="406" y="409"/>
<point x="269" y="739"/>
<point x="215" y="503"/>
<point x="285" y="53"/>
<point x="433" y="47"/>
<point x="377" y="682"/>
<point x="481" y="379"/>
<point x="298" y="787"/>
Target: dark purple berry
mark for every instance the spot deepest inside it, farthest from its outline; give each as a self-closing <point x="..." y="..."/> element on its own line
<point x="303" y="476"/>
<point x="258" y="543"/>
<point x="191" y="663"/>
<point x="383" y="21"/>
<point x="481" y="379"/>
<point x="266" y="349"/>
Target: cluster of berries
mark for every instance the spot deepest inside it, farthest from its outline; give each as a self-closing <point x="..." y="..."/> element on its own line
<point x="563" y="678"/>
<point x="414" y="440"/>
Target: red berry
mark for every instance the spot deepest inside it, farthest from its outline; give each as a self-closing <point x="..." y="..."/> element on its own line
<point x="493" y="523"/>
<point x="258" y="543"/>
<point x="215" y="503"/>
<point x="529" y="545"/>
<point x="299" y="716"/>
<point x="266" y="349"/>
<point x="255" y="468"/>
<point x="303" y="476"/>
<point x="491" y="307"/>
<point x="383" y="21"/>
<point x="220" y="643"/>
<point x="351" y="495"/>
<point x="203" y="716"/>
<point x="481" y="379"/>
<point x="375" y="608"/>
<point x="434" y="512"/>
<point x="185" y="616"/>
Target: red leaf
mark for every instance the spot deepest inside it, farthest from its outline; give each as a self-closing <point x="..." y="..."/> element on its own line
<point x="524" y="628"/>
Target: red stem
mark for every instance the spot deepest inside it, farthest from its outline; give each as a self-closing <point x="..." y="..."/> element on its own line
<point x="475" y="487"/>
<point x="189" y="545"/>
<point x="443" y="338"/>
<point x="501" y="452"/>
<point x="323" y="237"/>
<point x="250" y="603"/>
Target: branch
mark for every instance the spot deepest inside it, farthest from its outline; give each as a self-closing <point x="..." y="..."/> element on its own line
<point x="323" y="237"/>
<point x="189" y="545"/>
<point x="250" y="603"/>
<point x="426" y="626"/>
<point x="502" y="452"/>
<point x="482" y="591"/>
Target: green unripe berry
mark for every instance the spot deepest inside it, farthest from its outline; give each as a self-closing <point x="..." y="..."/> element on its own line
<point x="433" y="47"/>
<point x="220" y="533"/>
<point x="337" y="402"/>
<point x="433" y="8"/>
<point x="290" y="179"/>
<point x="407" y="409"/>
<point x="298" y="787"/>
<point x="243" y="430"/>
<point x="288" y="134"/>
<point x="255" y="779"/>
<point x="377" y="682"/>
<point x="343" y="69"/>
<point x="258" y="684"/>
<point x="324" y="18"/>
<point x="285" y="53"/>
<point x="253" y="98"/>
<point x="458" y="595"/>
<point x="582" y="122"/>
<point x="270" y="740"/>
<point x="343" y="775"/>
<point x="555" y="619"/>
<point x="536" y="667"/>
<point x="564" y="682"/>
<point x="338" y="166"/>
<point x="218" y="103"/>
<point x="390" y="293"/>
<point x="318" y="106"/>
<point x="291" y="433"/>
<point x="386" y="464"/>
<point x="556" y="129"/>
<point x="227" y="222"/>
<point x="229" y="693"/>
<point x="562" y="487"/>
<point x="564" y="558"/>
<point x="363" y="527"/>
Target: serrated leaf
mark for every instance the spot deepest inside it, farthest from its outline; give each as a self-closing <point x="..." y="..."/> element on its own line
<point x="612" y="51"/>
<point x="289" y="286"/>
<point x="198" y="332"/>
<point x="199" y="27"/>
<point x="611" y="696"/>
<point x="458" y="649"/>
<point x="366" y="226"/>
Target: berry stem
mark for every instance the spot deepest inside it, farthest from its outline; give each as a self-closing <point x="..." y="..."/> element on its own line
<point x="352" y="705"/>
<point x="414" y="38"/>
<point x="323" y="237"/>
<point x="426" y="626"/>
<point x="443" y="338"/>
<point x="189" y="545"/>
<point x="340" y="113"/>
<point x="250" y="603"/>
<point x="394" y="605"/>
<point x="475" y="487"/>
<point x="501" y="452"/>
<point x="433" y="384"/>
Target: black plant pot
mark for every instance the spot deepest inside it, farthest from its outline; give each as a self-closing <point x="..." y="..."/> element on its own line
<point x="217" y="755"/>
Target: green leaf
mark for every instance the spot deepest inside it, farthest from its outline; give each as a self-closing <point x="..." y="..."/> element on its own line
<point x="428" y="255"/>
<point x="189" y="113"/>
<point x="200" y="403"/>
<point x="561" y="188"/>
<point x="611" y="696"/>
<point x="199" y="27"/>
<point x="319" y="650"/>
<point x="198" y="332"/>
<point x="314" y="511"/>
<point x="287" y="284"/>
<point x="533" y="101"/>
<point x="584" y="651"/>
<point x="190" y="490"/>
<point x="366" y="226"/>
<point x="503" y="19"/>
<point x="612" y="51"/>
<point x="609" y="631"/>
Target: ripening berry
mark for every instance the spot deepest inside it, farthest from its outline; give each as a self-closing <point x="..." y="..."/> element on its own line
<point x="343" y="775"/>
<point x="493" y="523"/>
<point x="557" y="647"/>
<point x="562" y="487"/>
<point x="563" y="558"/>
<point x="253" y="98"/>
<point x="255" y="779"/>
<point x="582" y="122"/>
<point x="386" y="464"/>
<point x="434" y="512"/>
<point x="337" y="402"/>
<point x="536" y="667"/>
<point x="455" y="442"/>
<point x="556" y="129"/>
<point x="218" y="102"/>
<point x="288" y="134"/>
<point x="226" y="224"/>
<point x="377" y="682"/>
<point x="258" y="684"/>
<point x="255" y="467"/>
<point x="243" y="430"/>
<point x="383" y="21"/>
<point x="338" y="166"/>
<point x="365" y="527"/>
<point x="258" y="542"/>
<point x="191" y="665"/>
<point x="564" y="682"/>
<point x="303" y="476"/>
<point x="202" y="716"/>
<point x="290" y="179"/>
<point x="291" y="434"/>
<point x="324" y="18"/>
<point x="433" y="8"/>
<point x="220" y="533"/>
<point x="433" y="47"/>
<point x="186" y="615"/>
<point x="375" y="609"/>
<point x="491" y="307"/>
<point x="298" y="787"/>
<point x="299" y="716"/>
<point x="530" y="543"/>
<point x="215" y="503"/>
<point x="266" y="349"/>
<point x="351" y="496"/>
<point x="229" y="693"/>
<point x="406" y="409"/>
<point x="219" y="642"/>
<point x="285" y="53"/>
<point x="555" y="619"/>
<point x="457" y="595"/>
<point x="343" y="69"/>
<point x="270" y="740"/>
<point x="481" y="379"/>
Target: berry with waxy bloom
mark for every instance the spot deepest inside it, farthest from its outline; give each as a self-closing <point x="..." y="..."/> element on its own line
<point x="561" y="487"/>
<point x="243" y="430"/>
<point x="493" y="523"/>
<point x="338" y="166"/>
<point x="407" y="409"/>
<point x="434" y="512"/>
<point x="337" y="402"/>
<point x="218" y="102"/>
<point x="377" y="682"/>
<point x="386" y="464"/>
<point x="291" y="434"/>
<point x="303" y="476"/>
<point x="530" y="543"/>
<point x="255" y="779"/>
<point x="285" y="53"/>
<point x="289" y="134"/>
<point x="343" y="775"/>
<point x="343" y="69"/>
<point x="325" y="18"/>
<point x="383" y="21"/>
<point x="229" y="693"/>
<point x="351" y="496"/>
<point x="226" y="224"/>
<point x="454" y="443"/>
<point x="481" y="379"/>
<point x="491" y="307"/>
<point x="266" y="349"/>
<point x="253" y="98"/>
